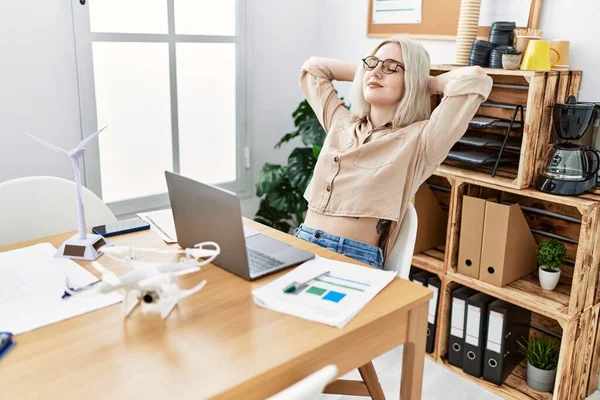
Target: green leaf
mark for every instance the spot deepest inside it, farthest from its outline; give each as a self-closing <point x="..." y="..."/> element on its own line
<point x="316" y="150"/>
<point x="540" y="352"/>
<point x="551" y="253"/>
<point x="272" y="217"/>
<point x="302" y="113"/>
<point x="301" y="164"/>
<point x="269" y="178"/>
<point x="282" y="200"/>
<point x="311" y="132"/>
<point x="286" y="138"/>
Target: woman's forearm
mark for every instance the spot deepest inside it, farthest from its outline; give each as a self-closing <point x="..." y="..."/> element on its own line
<point x="341" y="70"/>
<point x="437" y="84"/>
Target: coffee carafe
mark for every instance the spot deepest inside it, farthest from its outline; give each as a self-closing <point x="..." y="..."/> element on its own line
<point x="571" y="169"/>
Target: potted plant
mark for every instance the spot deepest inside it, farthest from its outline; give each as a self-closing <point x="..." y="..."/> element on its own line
<point x="511" y="59"/>
<point x="542" y="358"/>
<point x="550" y="255"/>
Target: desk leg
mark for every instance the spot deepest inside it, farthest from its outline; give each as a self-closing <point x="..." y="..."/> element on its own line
<point x="413" y="360"/>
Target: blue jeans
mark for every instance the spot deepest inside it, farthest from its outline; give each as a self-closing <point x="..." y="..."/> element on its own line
<point x="363" y="252"/>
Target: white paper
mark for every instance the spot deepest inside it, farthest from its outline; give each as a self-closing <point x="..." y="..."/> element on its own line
<point x="32" y="283"/>
<point x="457" y="324"/>
<point x="397" y="11"/>
<point x="473" y="317"/>
<point x="494" y="337"/>
<point x="161" y="222"/>
<point x="504" y="10"/>
<point x="432" y="305"/>
<point x="358" y="285"/>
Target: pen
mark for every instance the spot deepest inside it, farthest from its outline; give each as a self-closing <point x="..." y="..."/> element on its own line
<point x="292" y="288"/>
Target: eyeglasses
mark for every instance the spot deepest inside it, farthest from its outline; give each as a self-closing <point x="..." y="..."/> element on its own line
<point x="388" y="66"/>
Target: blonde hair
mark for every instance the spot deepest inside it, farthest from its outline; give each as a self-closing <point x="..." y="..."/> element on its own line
<point x="415" y="105"/>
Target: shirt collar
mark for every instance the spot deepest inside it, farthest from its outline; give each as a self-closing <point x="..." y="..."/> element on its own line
<point x="367" y="120"/>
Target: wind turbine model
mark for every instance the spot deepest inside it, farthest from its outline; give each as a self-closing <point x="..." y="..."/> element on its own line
<point x="82" y="246"/>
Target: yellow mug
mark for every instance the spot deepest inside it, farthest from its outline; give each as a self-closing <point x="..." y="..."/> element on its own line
<point x="537" y="56"/>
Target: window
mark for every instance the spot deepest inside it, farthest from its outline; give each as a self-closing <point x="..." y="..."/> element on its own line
<point x="164" y="75"/>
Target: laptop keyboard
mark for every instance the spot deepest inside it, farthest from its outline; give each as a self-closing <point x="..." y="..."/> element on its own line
<point x="260" y="262"/>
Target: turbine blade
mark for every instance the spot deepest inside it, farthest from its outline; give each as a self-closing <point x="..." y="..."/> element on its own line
<point x="48" y="145"/>
<point x="88" y="139"/>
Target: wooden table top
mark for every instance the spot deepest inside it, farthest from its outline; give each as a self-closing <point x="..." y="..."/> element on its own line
<point x="216" y="344"/>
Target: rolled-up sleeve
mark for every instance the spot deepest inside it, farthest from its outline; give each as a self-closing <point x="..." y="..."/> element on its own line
<point x="449" y="121"/>
<point x="315" y="82"/>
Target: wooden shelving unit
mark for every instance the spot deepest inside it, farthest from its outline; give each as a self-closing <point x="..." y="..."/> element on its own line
<point x="572" y="309"/>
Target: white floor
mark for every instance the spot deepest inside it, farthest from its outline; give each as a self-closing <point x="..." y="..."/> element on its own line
<point x="438" y="382"/>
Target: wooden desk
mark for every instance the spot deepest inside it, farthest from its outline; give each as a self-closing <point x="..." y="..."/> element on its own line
<point x="215" y="344"/>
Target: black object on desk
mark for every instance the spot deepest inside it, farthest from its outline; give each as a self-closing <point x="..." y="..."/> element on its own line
<point x="6" y="343"/>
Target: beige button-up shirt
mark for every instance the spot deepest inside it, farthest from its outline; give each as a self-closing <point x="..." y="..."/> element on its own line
<point x="367" y="172"/>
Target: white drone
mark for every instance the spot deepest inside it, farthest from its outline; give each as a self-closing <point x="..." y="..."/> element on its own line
<point x="152" y="284"/>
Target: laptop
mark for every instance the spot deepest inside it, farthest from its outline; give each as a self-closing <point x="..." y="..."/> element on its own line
<point x="207" y="213"/>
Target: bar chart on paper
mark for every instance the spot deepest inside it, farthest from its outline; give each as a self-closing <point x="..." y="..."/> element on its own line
<point x="333" y="298"/>
<point x="334" y="288"/>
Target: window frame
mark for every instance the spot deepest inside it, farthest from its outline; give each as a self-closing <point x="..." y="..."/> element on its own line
<point x="87" y="100"/>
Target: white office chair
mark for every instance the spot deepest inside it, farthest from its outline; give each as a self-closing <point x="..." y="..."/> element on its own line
<point x="400" y="258"/>
<point x="310" y="387"/>
<point x="39" y="206"/>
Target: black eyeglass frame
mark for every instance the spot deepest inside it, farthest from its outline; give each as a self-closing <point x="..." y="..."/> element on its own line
<point x="384" y="68"/>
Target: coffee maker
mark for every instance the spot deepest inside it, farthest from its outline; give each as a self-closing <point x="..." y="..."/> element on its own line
<point x="571" y="169"/>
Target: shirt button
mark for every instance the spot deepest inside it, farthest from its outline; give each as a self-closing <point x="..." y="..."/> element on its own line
<point x="328" y="187"/>
<point x="336" y="159"/>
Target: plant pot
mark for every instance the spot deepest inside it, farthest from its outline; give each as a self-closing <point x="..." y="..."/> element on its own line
<point x="511" y="61"/>
<point x="539" y="379"/>
<point x="548" y="279"/>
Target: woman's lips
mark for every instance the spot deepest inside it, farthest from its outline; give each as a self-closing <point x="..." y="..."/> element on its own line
<point x="374" y="85"/>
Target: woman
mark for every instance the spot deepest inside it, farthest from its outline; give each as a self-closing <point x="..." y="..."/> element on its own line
<point x="376" y="156"/>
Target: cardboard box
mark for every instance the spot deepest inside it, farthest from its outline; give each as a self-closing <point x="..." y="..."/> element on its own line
<point x="508" y="249"/>
<point x="433" y="221"/>
<point x="471" y="236"/>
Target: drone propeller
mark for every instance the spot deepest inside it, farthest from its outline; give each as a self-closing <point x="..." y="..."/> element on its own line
<point x="108" y="277"/>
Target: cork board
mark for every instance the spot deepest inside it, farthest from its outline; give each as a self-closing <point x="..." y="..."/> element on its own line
<point x="439" y="21"/>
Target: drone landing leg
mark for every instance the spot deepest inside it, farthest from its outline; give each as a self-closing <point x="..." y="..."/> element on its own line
<point x="127" y="310"/>
<point x="166" y="311"/>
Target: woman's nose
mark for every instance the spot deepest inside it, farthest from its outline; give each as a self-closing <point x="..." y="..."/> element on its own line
<point x="377" y="71"/>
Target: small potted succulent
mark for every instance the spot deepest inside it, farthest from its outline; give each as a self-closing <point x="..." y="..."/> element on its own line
<point x="542" y="358"/>
<point x="511" y="59"/>
<point x="550" y="255"/>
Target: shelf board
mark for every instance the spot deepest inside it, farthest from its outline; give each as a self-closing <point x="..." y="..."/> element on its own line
<point x="490" y="71"/>
<point x="479" y="176"/>
<point x="514" y="387"/>
<point x="430" y="260"/>
<point x="525" y="292"/>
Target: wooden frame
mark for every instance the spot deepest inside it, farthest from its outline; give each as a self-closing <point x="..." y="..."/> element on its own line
<point x="440" y="22"/>
<point x="577" y="289"/>
<point x="573" y="308"/>
<point x="525" y="88"/>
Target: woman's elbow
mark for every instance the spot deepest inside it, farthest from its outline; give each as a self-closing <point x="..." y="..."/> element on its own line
<point x="476" y="70"/>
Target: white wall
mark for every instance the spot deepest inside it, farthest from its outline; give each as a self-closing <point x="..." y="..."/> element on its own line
<point x="343" y="27"/>
<point x="282" y="34"/>
<point x="38" y="81"/>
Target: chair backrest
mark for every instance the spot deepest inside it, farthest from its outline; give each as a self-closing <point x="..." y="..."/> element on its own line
<point x="400" y="258"/>
<point x="310" y="387"/>
<point x="39" y="206"/>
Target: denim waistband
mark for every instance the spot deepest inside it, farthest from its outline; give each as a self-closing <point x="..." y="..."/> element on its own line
<point x="355" y="249"/>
